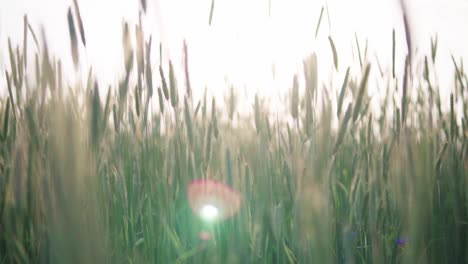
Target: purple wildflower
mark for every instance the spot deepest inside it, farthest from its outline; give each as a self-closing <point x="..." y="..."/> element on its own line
<point x="401" y="241"/>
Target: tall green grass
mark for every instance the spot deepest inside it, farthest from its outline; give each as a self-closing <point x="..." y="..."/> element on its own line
<point x="92" y="179"/>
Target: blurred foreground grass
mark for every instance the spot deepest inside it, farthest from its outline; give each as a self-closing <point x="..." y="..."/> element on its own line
<point x="91" y="178"/>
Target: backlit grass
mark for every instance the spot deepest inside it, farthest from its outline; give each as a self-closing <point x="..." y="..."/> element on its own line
<point x="87" y="177"/>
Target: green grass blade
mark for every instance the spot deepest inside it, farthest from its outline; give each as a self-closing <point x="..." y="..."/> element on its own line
<point x="362" y="90"/>
<point x="73" y="38"/>
<point x="80" y="22"/>
<point x="358" y="49"/>
<point x="335" y="55"/>
<point x="211" y="12"/>
<point x="342" y="93"/>
<point x="318" y="23"/>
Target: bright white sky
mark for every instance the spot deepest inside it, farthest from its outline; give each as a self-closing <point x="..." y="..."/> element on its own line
<point x="244" y="41"/>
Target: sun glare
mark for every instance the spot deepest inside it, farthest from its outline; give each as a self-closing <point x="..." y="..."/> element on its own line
<point x="209" y="212"/>
<point x="254" y="46"/>
<point x="212" y="200"/>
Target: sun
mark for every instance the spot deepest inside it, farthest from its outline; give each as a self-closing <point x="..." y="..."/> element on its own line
<point x="209" y="213"/>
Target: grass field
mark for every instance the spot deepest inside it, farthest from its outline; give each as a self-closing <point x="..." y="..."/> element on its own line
<point x="102" y="178"/>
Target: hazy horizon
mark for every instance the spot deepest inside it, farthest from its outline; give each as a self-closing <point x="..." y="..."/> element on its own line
<point x="245" y="42"/>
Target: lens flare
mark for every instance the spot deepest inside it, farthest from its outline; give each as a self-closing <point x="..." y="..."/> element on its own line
<point x="209" y="212"/>
<point x="212" y="200"/>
